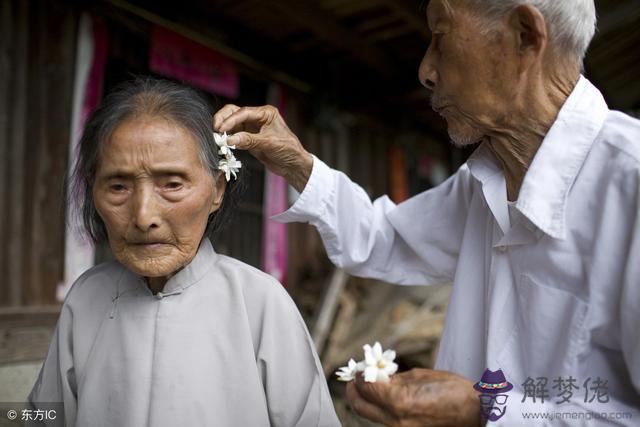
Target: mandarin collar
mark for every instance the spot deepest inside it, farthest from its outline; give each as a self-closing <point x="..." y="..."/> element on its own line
<point x="191" y="274"/>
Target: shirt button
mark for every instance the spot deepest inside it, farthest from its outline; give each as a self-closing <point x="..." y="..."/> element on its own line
<point x="159" y="295"/>
<point x="502" y="249"/>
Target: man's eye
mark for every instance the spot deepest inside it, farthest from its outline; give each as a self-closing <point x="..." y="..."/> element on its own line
<point x="436" y="39"/>
<point x="173" y="185"/>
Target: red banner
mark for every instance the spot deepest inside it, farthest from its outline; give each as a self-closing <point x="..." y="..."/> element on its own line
<point x="175" y="56"/>
<point x="275" y="245"/>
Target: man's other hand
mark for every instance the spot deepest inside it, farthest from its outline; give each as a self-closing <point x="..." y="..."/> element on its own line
<point x="263" y="132"/>
<point x="420" y="398"/>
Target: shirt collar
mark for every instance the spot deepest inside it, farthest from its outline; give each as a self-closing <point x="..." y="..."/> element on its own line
<point x="190" y="274"/>
<point x="486" y="169"/>
<point x="546" y="185"/>
<point x="543" y="194"/>
<point x="194" y="271"/>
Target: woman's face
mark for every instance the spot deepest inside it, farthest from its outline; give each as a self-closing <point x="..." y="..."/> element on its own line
<point x="154" y="195"/>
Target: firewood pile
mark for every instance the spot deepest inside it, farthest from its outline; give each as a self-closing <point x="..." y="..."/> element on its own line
<point x="354" y="311"/>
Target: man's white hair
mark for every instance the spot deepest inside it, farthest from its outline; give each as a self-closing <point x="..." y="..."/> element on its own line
<point x="571" y="23"/>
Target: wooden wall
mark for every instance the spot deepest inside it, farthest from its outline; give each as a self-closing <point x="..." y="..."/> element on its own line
<point x="37" y="46"/>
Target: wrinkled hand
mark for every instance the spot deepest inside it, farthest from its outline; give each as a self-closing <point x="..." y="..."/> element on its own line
<point x="263" y="132"/>
<point x="420" y="398"/>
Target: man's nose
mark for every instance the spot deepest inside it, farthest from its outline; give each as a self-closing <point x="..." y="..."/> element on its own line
<point x="146" y="212"/>
<point x="427" y="72"/>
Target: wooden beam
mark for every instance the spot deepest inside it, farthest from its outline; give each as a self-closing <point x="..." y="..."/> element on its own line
<point x="241" y="58"/>
<point x="325" y="26"/>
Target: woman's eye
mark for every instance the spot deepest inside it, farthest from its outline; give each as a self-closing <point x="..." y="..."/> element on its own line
<point x="117" y="188"/>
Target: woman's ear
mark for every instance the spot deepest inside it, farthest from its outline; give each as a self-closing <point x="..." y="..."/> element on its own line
<point x="220" y="185"/>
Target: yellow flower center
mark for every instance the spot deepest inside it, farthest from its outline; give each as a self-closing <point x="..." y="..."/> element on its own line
<point x="381" y="364"/>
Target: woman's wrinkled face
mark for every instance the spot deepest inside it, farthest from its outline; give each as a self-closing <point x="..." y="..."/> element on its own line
<point x="154" y="195"/>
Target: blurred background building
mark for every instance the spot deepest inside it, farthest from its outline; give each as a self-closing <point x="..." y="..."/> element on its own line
<point x="344" y="75"/>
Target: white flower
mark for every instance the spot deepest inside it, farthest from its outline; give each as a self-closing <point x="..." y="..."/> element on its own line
<point x="228" y="164"/>
<point x="348" y="373"/>
<point x="221" y="141"/>
<point x="379" y="366"/>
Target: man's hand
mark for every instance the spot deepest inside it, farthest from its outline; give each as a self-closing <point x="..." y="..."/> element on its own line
<point x="263" y="132"/>
<point x="420" y="398"/>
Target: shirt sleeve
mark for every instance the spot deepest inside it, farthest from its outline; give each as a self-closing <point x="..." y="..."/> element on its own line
<point x="56" y="382"/>
<point x="416" y="242"/>
<point x="292" y="376"/>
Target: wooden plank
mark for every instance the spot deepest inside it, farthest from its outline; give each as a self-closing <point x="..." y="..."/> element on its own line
<point x="49" y="208"/>
<point x="35" y="109"/>
<point x="6" y="64"/>
<point x="25" y="332"/>
<point x="328" y="308"/>
<point x="17" y="125"/>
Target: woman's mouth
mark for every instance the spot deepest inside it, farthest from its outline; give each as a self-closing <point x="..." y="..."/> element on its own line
<point x="149" y="245"/>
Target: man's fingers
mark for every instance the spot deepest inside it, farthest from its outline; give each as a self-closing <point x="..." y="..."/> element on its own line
<point x="247" y="118"/>
<point x="365" y="408"/>
<point x="243" y="140"/>
<point x="376" y="393"/>
<point x="222" y="114"/>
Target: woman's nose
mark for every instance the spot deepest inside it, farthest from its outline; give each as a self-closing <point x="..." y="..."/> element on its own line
<point x="146" y="210"/>
<point x="427" y="71"/>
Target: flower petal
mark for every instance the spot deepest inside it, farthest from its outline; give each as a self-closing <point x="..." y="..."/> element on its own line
<point x="391" y="368"/>
<point x="382" y="376"/>
<point x="370" y="374"/>
<point x="369" y="359"/>
<point x="377" y="351"/>
<point x="389" y="355"/>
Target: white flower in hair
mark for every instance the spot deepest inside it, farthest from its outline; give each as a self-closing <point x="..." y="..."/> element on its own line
<point x="228" y="163"/>
<point x="221" y="141"/>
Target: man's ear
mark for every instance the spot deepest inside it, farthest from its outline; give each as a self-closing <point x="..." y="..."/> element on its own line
<point x="531" y="34"/>
<point x="220" y="183"/>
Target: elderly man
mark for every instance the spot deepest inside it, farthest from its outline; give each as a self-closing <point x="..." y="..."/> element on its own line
<point x="539" y="231"/>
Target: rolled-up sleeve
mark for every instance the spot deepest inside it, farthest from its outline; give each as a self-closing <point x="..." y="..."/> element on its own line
<point x="402" y="244"/>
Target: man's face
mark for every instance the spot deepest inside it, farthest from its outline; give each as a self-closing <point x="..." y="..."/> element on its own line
<point x="470" y="74"/>
<point x="154" y="195"/>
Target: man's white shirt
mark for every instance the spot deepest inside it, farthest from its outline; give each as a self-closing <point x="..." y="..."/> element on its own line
<point x="547" y="287"/>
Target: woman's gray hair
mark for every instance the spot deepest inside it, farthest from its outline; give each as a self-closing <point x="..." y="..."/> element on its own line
<point x="571" y="23"/>
<point x="146" y="96"/>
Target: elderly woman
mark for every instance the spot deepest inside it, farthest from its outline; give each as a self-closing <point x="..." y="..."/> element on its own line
<point x="172" y="333"/>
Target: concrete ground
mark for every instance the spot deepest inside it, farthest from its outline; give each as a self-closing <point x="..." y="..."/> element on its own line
<point x="16" y="380"/>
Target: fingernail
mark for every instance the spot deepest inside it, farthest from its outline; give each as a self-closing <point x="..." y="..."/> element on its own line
<point x="233" y="139"/>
